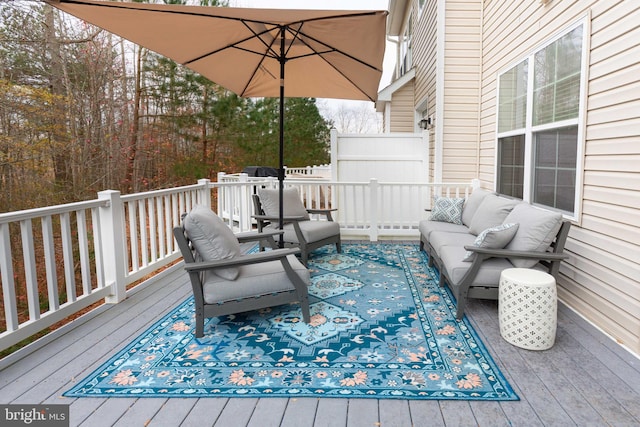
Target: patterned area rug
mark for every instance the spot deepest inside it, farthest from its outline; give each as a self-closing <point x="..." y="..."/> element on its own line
<point x="380" y="328"/>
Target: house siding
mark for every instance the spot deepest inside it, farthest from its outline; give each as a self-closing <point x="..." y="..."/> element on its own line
<point x="402" y="109"/>
<point x="425" y="63"/>
<point x="482" y="38"/>
<point x="462" y="61"/>
<point x="601" y="279"/>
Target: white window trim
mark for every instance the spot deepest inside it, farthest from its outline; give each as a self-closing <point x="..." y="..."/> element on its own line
<point x="529" y="129"/>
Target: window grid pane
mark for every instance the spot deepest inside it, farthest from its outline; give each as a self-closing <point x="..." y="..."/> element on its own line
<point x="554" y="178"/>
<point x="512" y="108"/>
<point x="556" y="93"/>
<point x="511" y="166"/>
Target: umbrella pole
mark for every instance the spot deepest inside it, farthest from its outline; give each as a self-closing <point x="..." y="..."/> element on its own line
<point x="281" y="154"/>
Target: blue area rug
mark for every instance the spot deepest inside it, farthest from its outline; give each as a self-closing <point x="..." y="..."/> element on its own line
<point x="380" y="328"/>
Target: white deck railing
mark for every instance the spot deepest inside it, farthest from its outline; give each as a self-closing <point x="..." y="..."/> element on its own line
<point x="57" y="261"/>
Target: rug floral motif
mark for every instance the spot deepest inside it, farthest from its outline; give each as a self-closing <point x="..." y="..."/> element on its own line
<point x="380" y="327"/>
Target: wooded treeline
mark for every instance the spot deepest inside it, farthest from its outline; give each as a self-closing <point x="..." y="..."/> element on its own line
<point x="83" y="111"/>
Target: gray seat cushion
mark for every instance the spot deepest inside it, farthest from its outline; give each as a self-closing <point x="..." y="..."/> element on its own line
<point x="313" y="231"/>
<point x="253" y="280"/>
<point x="489" y="274"/>
<point x="440" y="239"/>
<point x="426" y="227"/>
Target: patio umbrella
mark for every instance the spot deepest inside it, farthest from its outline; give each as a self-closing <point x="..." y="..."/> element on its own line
<point x="256" y="52"/>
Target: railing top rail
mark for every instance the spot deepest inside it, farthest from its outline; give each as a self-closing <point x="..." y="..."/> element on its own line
<point x="8" y="217"/>
<point x="163" y="192"/>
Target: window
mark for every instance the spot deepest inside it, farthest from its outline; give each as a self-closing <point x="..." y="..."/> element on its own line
<point x="421" y="4"/>
<point x="538" y="124"/>
<point x="405" y="49"/>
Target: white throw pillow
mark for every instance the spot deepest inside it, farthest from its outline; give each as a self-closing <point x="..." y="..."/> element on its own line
<point x="493" y="238"/>
<point x="447" y="209"/>
<point x="212" y="238"/>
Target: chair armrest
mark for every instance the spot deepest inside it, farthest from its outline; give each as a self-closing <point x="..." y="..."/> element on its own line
<point x="507" y="253"/>
<point x="325" y="212"/>
<point x="255" y="236"/>
<point x="275" y="218"/>
<point x="321" y="211"/>
<point x="265" y="237"/>
<point x="239" y="260"/>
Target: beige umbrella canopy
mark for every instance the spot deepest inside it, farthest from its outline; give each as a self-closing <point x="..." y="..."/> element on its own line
<point x="327" y="54"/>
<point x="256" y="52"/>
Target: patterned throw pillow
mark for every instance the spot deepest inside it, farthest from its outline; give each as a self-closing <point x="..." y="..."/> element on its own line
<point x="493" y="238"/>
<point x="447" y="209"/>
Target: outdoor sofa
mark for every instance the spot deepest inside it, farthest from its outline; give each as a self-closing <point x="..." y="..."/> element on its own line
<point x="471" y="241"/>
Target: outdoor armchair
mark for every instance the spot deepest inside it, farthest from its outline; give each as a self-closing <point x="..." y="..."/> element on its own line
<point x="299" y="229"/>
<point x="225" y="281"/>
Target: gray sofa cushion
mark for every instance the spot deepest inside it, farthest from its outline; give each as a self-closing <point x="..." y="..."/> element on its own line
<point x="439" y="239"/>
<point x="493" y="238"/>
<point x="447" y="209"/>
<point x="472" y="203"/>
<point x="212" y="239"/>
<point x="292" y="205"/>
<point x="426" y="227"/>
<point x="537" y="230"/>
<point x="253" y="280"/>
<point x="456" y="268"/>
<point x="491" y="212"/>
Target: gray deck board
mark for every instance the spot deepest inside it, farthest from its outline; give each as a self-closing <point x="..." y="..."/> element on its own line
<point x="426" y="411"/>
<point x="173" y="412"/>
<point x="586" y="379"/>
<point x="394" y="413"/>
<point x="300" y="412"/>
<point x="332" y="412"/>
<point x="205" y="412"/>
<point x="362" y="413"/>
<point x="268" y="413"/>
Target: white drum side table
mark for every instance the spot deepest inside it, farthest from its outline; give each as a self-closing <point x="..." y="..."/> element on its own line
<point x="527" y="308"/>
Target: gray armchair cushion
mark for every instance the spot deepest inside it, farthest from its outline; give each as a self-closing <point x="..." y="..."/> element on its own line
<point x="292" y="205"/>
<point x="253" y="280"/>
<point x="472" y="203"/>
<point x="212" y="238"/>
<point x="493" y="238"/>
<point x="491" y="212"/>
<point x="447" y="209"/>
<point x="538" y="228"/>
<point x="312" y="231"/>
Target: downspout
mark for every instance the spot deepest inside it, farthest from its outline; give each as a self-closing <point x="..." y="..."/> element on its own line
<point x="387" y="107"/>
<point x="440" y="46"/>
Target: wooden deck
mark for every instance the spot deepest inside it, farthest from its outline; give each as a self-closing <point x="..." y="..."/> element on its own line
<point x="586" y="379"/>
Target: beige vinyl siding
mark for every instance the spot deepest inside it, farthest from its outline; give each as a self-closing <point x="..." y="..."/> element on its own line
<point x="424" y="58"/>
<point x="601" y="279"/>
<point x="402" y="110"/>
<point x="462" y="58"/>
<point x="424" y="62"/>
